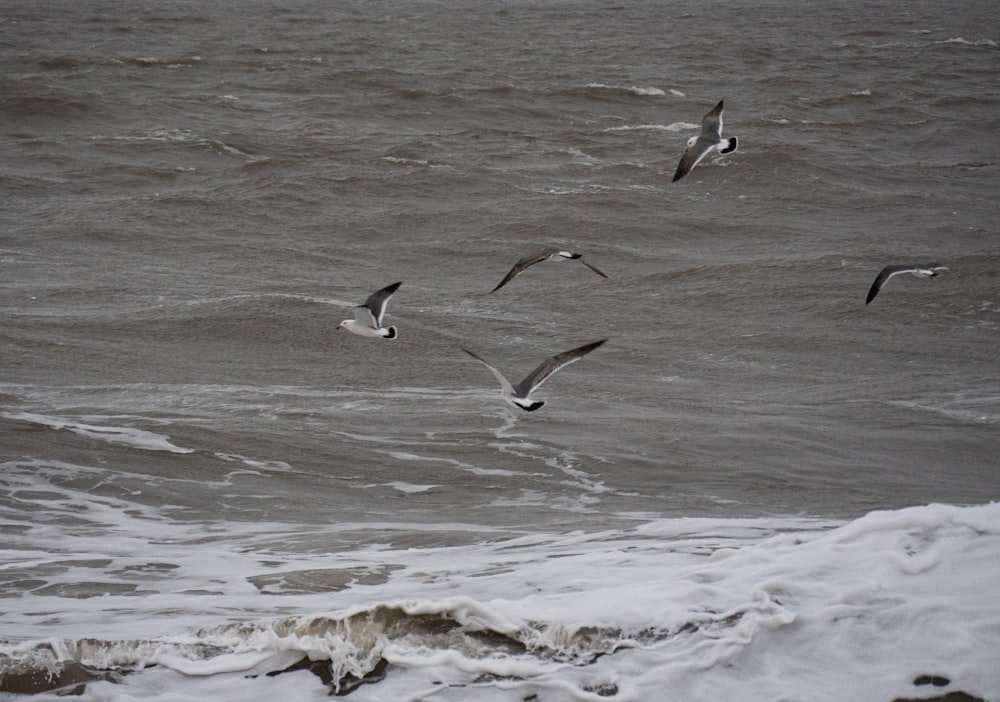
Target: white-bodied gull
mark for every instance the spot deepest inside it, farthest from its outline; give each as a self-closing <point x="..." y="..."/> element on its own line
<point x="549" y="253"/>
<point x="518" y="395"/>
<point x="368" y="317"/>
<point x="710" y="139"/>
<point x="920" y="270"/>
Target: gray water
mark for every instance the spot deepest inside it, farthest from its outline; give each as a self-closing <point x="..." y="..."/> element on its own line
<point x="194" y="195"/>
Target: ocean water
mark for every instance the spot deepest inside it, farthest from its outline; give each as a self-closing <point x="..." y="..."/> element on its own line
<point x="760" y="488"/>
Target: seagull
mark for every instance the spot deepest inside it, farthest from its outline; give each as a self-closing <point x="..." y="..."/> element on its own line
<point x="368" y="317"/>
<point x="920" y="270"/>
<point x="710" y="139"/>
<point x="518" y="395"/>
<point x="551" y="253"/>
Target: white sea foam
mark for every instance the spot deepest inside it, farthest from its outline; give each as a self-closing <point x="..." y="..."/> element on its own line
<point x="672" y="127"/>
<point x="754" y="609"/>
<point x="410" y="487"/>
<point x="634" y="89"/>
<point x="976" y="42"/>
<point x="116" y="435"/>
<point x="646" y="91"/>
<point x="265" y="466"/>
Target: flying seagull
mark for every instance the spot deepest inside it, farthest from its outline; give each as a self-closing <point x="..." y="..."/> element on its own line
<point x="920" y="270"/>
<point x="518" y="395"/>
<point x="710" y="139"/>
<point x="550" y="253"/>
<point x="368" y="317"/>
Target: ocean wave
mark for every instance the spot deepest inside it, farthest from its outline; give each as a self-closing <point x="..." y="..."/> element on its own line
<point x="164" y="135"/>
<point x="691" y="605"/>
<point x="634" y="89"/>
<point x="136" y="438"/>
<point x="672" y="127"/>
<point x="152" y="61"/>
<point x="975" y="42"/>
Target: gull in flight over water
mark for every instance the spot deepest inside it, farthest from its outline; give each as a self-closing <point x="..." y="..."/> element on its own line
<point x="368" y="317"/>
<point x="710" y="139"/>
<point x="920" y="270"/>
<point x="549" y="253"/>
<point x="518" y="395"/>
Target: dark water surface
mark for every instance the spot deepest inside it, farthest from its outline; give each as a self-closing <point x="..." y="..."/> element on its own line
<point x="193" y="195"/>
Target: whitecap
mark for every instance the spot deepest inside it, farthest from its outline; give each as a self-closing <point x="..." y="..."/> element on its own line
<point x="117" y="435"/>
<point x="672" y="127"/>
<point x="267" y="466"/>
<point x="697" y="606"/>
<point x="647" y="91"/>
<point x="634" y="89"/>
<point x="962" y="40"/>
<point x="409" y="488"/>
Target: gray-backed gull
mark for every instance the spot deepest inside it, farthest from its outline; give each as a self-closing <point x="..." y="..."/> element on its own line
<point x="368" y="317"/>
<point x="518" y="395"/>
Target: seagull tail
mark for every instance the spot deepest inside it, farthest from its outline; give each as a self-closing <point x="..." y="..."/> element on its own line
<point x="531" y="406"/>
<point x="733" y="141"/>
<point x="390" y="333"/>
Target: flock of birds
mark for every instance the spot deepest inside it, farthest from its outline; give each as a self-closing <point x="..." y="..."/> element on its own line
<point x="368" y="317"/>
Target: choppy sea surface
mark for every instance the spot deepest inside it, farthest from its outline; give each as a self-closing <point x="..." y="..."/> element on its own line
<point x="760" y="488"/>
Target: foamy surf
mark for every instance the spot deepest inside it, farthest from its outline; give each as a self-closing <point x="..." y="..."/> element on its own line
<point x="754" y="609"/>
<point x="128" y="436"/>
<point x="672" y="127"/>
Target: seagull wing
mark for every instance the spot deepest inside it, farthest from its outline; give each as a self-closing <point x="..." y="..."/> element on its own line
<point x="519" y="267"/>
<point x="711" y="135"/>
<point x="364" y="316"/>
<point x="551" y="365"/>
<point x="592" y="268"/>
<point x="883" y="278"/>
<point x="505" y="386"/>
<point x="694" y="154"/>
<point x="711" y="123"/>
<point x="376" y="303"/>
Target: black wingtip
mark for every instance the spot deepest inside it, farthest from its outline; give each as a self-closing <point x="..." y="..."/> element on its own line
<point x="874" y="289"/>
<point x="597" y="271"/>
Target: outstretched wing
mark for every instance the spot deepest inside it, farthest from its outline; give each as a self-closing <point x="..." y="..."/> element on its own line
<point x="551" y="365"/>
<point x="592" y="268"/>
<point x="376" y="303"/>
<point x="711" y="135"/>
<point x="364" y="316"/>
<point x="694" y="154"/>
<point x="882" y="279"/>
<point x="519" y="267"/>
<point x="711" y="123"/>
<point x="505" y="386"/>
